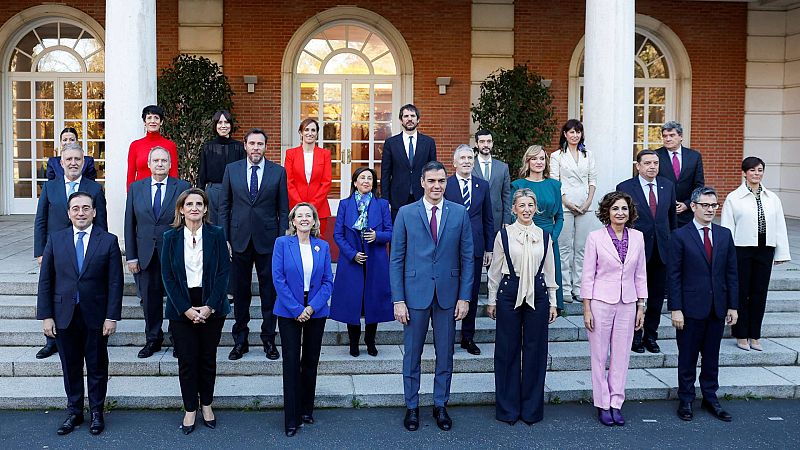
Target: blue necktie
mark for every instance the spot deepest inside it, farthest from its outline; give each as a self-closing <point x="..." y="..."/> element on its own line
<point x="157" y="201"/>
<point x="73" y="187"/>
<point x="79" y="258"/>
<point x="254" y="183"/>
<point x="465" y="194"/>
<point x="411" y="160"/>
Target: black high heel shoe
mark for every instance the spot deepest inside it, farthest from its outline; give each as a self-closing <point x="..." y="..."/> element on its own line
<point x="291" y="431"/>
<point x="372" y="350"/>
<point x="188" y="428"/>
<point x="209" y="423"/>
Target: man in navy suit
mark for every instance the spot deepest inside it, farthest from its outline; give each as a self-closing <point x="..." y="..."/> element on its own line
<point x="703" y="298"/>
<point x="149" y="212"/>
<point x="51" y="213"/>
<point x="654" y="199"/>
<point x="80" y="302"/>
<point x="404" y="155"/>
<point x="254" y="211"/>
<point x="430" y="273"/>
<point x="473" y="193"/>
<point x="682" y="166"/>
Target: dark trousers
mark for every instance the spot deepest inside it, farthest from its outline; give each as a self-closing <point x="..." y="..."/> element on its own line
<point x="242" y="269"/>
<point x="78" y="343"/>
<point x="755" y="268"/>
<point x="301" y="343"/>
<point x="699" y="337"/>
<point x="519" y="382"/>
<point x="196" y="345"/>
<point x="354" y="333"/>
<point x="468" y="323"/>
<point x="656" y="284"/>
<point x="151" y="288"/>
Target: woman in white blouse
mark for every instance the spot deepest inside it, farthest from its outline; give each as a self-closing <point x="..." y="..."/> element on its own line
<point x="522" y="298"/>
<point x="754" y="215"/>
<point x="574" y="166"/>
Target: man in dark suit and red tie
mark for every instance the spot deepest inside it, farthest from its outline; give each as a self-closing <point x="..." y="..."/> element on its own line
<point x="404" y="155"/>
<point x="703" y="298"/>
<point x="682" y="166"/>
<point x="79" y="302"/>
<point x="654" y="199"/>
<point x="473" y="193"/>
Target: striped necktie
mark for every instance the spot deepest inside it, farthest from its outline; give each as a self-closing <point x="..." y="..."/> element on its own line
<point x="465" y="194"/>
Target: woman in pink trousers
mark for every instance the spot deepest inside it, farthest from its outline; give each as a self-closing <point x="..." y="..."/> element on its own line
<point x="614" y="290"/>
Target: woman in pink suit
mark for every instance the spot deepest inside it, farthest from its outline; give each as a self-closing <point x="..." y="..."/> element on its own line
<point x="614" y="289"/>
<point x="309" y="172"/>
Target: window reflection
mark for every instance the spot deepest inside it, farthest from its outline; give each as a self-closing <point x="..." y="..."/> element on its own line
<point x="361" y="52"/>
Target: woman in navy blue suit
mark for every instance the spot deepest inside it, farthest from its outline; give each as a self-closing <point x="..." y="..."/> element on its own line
<point x="195" y="264"/>
<point x="363" y="229"/>
<point x="301" y="273"/>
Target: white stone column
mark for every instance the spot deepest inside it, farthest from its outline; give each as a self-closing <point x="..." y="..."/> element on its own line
<point x="130" y="86"/>
<point x="608" y="89"/>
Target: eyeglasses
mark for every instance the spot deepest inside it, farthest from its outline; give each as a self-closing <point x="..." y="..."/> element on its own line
<point x="707" y="205"/>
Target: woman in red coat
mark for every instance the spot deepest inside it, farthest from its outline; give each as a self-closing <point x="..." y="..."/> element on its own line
<point x="308" y="172"/>
<point x="153" y="116"/>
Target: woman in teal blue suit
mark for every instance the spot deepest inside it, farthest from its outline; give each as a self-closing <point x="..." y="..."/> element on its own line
<point x="535" y="175"/>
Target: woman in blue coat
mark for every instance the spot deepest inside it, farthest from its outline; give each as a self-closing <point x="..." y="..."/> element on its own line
<point x="363" y="229"/>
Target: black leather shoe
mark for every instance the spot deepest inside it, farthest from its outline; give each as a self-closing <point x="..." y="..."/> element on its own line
<point x="443" y="420"/>
<point x="291" y="431"/>
<point x="47" y="351"/>
<point x="651" y="346"/>
<point x="716" y="410"/>
<point x="271" y="350"/>
<point x="98" y="423"/>
<point x="685" y="411"/>
<point x="470" y="347"/>
<point x="73" y="420"/>
<point x="237" y="351"/>
<point x="148" y="349"/>
<point x="637" y="346"/>
<point x="372" y="350"/>
<point x="307" y="418"/>
<point x="411" y="421"/>
<point x="354" y="351"/>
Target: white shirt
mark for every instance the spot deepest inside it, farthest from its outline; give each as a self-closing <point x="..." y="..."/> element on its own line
<point x="308" y="264"/>
<point x="405" y="141"/>
<point x="740" y="215"/>
<point x="249" y="172"/>
<point x="308" y="161"/>
<point x="77" y="186"/>
<point x="153" y="189"/>
<point x="646" y="188"/>
<point x="193" y="257"/>
<point x="485" y="169"/>
<point x="703" y="233"/>
<point x="460" y="180"/>
<point x="429" y="211"/>
<point x="75" y="232"/>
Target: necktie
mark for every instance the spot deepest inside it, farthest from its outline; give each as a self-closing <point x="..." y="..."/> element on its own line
<point x="157" y="201"/>
<point x="434" y="226"/>
<point x="79" y="258"/>
<point x="411" y="161"/>
<point x="254" y="183"/>
<point x="676" y="166"/>
<point x="707" y="243"/>
<point x="465" y="194"/>
<point x="487" y="170"/>
<point x="73" y="187"/>
<point x="652" y="200"/>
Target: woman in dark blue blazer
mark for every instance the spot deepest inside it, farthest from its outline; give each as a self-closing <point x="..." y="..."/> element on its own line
<point x="363" y="228"/>
<point x="301" y="273"/>
<point x="194" y="266"/>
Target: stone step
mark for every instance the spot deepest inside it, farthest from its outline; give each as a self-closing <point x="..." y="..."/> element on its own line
<point x="336" y="360"/>
<point x="345" y="391"/>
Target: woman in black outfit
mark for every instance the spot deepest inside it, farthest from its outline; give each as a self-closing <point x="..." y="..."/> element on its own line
<point x="214" y="156"/>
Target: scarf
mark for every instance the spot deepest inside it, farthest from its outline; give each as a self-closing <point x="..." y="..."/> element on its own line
<point x="362" y="201"/>
<point x="527" y="237"/>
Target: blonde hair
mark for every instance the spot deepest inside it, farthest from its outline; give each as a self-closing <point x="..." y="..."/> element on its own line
<point x="292" y="231"/>
<point x="532" y="151"/>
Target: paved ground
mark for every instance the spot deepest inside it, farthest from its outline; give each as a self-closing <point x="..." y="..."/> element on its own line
<point x="769" y="424"/>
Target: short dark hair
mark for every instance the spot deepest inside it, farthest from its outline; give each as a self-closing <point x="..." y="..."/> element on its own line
<point x="218" y="115"/>
<point x="752" y="162"/>
<point x="432" y="166"/>
<point x="482" y="132"/>
<point x="153" y="109"/>
<point x="256" y="131"/>
<point x="604" y="208"/>
<point x="355" y="176"/>
<point x="69" y="130"/>
<point x="701" y="191"/>
<point x="306" y="123"/>
<point x="409" y="107"/>
<point x="644" y="153"/>
<point x="571" y="124"/>
<point x="672" y="125"/>
<point x="79" y="194"/>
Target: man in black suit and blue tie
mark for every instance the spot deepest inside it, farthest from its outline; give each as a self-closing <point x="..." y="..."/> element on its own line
<point x="80" y="302"/>
<point x="703" y="298"/>
<point x="51" y="213"/>
<point x="149" y="212"/>
<point x="682" y="166"/>
<point x="473" y="193"/>
<point x="654" y="199"/>
<point x="404" y="155"/>
<point x="254" y="211"/>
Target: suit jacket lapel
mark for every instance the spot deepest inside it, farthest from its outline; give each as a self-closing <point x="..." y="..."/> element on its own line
<point x="662" y="206"/>
<point x="639" y="198"/>
<point x="69" y="249"/>
<point x="608" y="245"/>
<point x="294" y="249"/>
<point x="179" y="263"/>
<point x="445" y="215"/>
<point x="209" y="255"/>
<point x="90" y="250"/>
<point x="168" y="194"/>
<point x="264" y="181"/>
<point x="423" y="214"/>
<point x="316" y="262"/>
<point x="696" y="238"/>
<point x="61" y="193"/>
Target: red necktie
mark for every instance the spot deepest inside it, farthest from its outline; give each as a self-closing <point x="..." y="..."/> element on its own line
<point x="676" y="166"/>
<point x="653" y="204"/>
<point x="707" y="242"/>
<point x="434" y="226"/>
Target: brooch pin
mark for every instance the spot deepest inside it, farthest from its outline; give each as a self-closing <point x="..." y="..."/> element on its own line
<point x="316" y="248"/>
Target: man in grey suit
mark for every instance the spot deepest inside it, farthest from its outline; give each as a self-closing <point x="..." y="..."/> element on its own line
<point x="149" y="212"/>
<point x="496" y="173"/>
<point x="431" y="275"/>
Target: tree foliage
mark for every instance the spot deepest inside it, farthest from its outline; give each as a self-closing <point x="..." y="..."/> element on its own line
<point x="517" y="108"/>
<point x="190" y="91"/>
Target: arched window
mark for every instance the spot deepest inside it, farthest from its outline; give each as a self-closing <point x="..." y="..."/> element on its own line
<point x="55" y="78"/>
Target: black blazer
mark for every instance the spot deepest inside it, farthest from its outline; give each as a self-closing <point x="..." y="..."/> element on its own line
<point x="51" y="213"/>
<point x="398" y="175"/>
<point x="143" y="232"/>
<point x="480" y="211"/>
<point x="691" y="177"/>
<point x="99" y="283"/>
<point x="696" y="286"/>
<point x="262" y="220"/>
<point x="656" y="229"/>
<point x="216" y="268"/>
<point x="54" y="169"/>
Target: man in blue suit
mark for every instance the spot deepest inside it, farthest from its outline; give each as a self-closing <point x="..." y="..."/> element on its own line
<point x="682" y="166"/>
<point x="654" y="199"/>
<point x="254" y="211"/>
<point x="149" y="212"/>
<point x="703" y="298"/>
<point x="51" y="213"/>
<point x="431" y="273"/>
<point x="472" y="193"/>
<point x="80" y="302"/>
<point x="404" y="155"/>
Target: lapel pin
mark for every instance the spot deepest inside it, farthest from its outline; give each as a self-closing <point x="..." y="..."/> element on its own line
<point x="316" y="248"/>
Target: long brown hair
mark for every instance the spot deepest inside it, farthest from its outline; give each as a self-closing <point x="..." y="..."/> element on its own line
<point x="180" y="221"/>
<point x="532" y="151"/>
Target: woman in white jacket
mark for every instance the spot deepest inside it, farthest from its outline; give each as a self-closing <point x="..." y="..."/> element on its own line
<point x="754" y="215"/>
